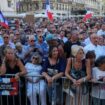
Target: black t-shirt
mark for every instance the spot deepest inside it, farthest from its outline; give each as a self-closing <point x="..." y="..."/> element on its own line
<point x="67" y="47"/>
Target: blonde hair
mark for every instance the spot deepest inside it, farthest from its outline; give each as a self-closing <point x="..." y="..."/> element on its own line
<point x="75" y="49"/>
<point x="7" y="48"/>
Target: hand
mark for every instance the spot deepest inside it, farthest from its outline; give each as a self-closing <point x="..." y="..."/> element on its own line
<point x="53" y="78"/>
<point x="94" y="80"/>
<point x="74" y="81"/>
<point x="80" y="81"/>
<point x="49" y="80"/>
<point x="17" y="76"/>
<point x="31" y="50"/>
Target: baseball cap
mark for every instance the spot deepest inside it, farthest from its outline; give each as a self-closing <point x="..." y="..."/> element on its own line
<point x="50" y="37"/>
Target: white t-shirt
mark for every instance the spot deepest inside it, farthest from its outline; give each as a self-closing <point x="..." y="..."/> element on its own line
<point x="97" y="49"/>
<point x="33" y="71"/>
<point x="100" y="32"/>
<point x="98" y="91"/>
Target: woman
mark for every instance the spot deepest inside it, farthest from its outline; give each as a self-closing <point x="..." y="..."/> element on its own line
<point x="98" y="75"/>
<point x="12" y="65"/>
<point x="77" y="69"/>
<point x="91" y="56"/>
<point x="53" y="69"/>
<point x="35" y="85"/>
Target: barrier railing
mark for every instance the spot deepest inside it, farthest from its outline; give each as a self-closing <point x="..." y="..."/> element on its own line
<point x="33" y="90"/>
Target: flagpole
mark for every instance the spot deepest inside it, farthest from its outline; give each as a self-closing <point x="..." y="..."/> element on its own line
<point x="0" y="7"/>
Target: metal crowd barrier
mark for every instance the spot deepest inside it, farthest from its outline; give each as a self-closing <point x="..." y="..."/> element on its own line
<point x="36" y="92"/>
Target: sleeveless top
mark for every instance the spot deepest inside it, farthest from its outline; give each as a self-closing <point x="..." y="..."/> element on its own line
<point x="77" y="74"/>
<point x="10" y="70"/>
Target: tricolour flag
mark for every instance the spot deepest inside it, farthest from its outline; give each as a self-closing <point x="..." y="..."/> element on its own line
<point x="3" y="21"/>
<point x="8" y="86"/>
<point x="88" y="15"/>
<point x="48" y="11"/>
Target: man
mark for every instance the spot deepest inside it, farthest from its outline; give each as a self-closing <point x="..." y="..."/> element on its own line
<point x="20" y="37"/>
<point x="31" y="48"/>
<point x="62" y="36"/>
<point x="6" y="42"/>
<point x="93" y="46"/>
<point x="73" y="40"/>
<point x="101" y="32"/>
<point x="42" y="44"/>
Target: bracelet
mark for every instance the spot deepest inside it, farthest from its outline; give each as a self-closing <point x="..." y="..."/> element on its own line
<point x="84" y="79"/>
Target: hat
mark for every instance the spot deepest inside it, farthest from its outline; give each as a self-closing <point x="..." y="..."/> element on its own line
<point x="75" y="49"/>
<point x="50" y="37"/>
<point x="36" y="54"/>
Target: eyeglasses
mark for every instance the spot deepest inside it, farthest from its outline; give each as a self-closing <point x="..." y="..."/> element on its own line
<point x="38" y="31"/>
<point x="32" y="40"/>
<point x="6" y="37"/>
<point x="36" y="58"/>
<point x="40" y="36"/>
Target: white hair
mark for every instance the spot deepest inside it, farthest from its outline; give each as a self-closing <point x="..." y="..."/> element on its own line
<point x="31" y="37"/>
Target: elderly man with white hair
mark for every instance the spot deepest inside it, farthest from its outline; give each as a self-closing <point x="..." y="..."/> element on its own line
<point x="94" y="46"/>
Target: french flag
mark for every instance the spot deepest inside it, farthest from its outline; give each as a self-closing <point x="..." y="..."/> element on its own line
<point x="48" y="11"/>
<point x="88" y="15"/>
<point x="3" y="21"/>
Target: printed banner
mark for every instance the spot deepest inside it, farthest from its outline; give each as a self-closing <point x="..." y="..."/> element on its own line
<point x="8" y="86"/>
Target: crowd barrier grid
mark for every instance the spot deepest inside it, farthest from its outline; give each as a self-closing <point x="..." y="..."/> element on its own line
<point x="61" y="92"/>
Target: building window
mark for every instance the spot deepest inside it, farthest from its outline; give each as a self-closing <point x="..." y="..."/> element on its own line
<point x="57" y="7"/>
<point x="9" y="3"/>
<point x="51" y="6"/>
<point x="44" y="6"/>
<point x="60" y="7"/>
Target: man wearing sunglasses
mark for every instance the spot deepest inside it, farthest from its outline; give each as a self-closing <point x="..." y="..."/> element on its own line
<point x="6" y="42"/>
<point x="42" y="44"/>
<point x="31" y="48"/>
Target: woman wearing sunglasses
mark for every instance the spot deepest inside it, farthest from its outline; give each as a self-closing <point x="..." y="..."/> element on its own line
<point x="35" y="85"/>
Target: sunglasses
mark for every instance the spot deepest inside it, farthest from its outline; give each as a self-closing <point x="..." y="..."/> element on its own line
<point x="40" y="36"/>
<point x="32" y="40"/>
<point x="38" y="31"/>
<point x="36" y="58"/>
<point x="6" y="37"/>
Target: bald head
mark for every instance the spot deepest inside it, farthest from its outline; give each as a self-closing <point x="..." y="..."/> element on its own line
<point x="94" y="38"/>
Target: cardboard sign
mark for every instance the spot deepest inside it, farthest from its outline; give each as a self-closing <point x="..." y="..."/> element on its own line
<point x="30" y="18"/>
<point x="8" y="86"/>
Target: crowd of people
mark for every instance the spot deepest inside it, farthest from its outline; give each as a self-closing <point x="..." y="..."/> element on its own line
<point x="70" y="48"/>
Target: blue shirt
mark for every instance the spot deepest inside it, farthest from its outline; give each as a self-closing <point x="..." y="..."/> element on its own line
<point x="54" y="69"/>
<point x="43" y="47"/>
